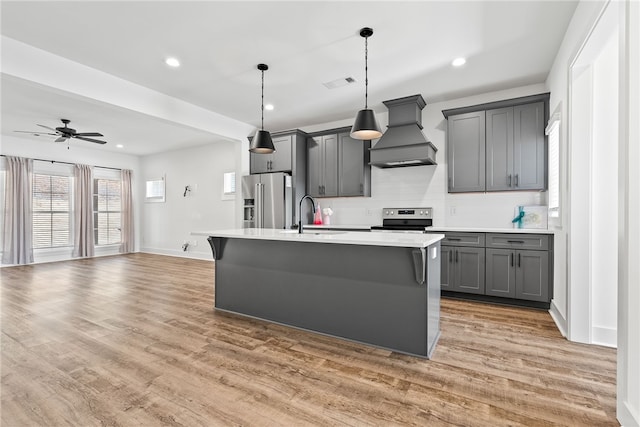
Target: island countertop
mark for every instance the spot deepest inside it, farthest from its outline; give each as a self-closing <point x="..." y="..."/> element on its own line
<point x="405" y="240"/>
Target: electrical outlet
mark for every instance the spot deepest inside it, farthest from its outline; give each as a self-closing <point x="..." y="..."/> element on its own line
<point x="452" y="211"/>
<point x="369" y="212"/>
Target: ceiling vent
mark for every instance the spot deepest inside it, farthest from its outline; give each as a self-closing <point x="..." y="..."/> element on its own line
<point x="339" y="82"/>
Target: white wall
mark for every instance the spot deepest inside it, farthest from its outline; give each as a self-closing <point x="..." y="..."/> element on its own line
<point x="427" y="185"/>
<point x="604" y="185"/>
<point x="166" y="226"/>
<point x="628" y="396"/>
<point x="558" y="85"/>
<point x="24" y="147"/>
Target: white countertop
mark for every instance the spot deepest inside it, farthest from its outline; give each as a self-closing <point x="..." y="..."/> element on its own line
<point x="338" y="227"/>
<point x="492" y="230"/>
<point x="436" y="229"/>
<point x="405" y="240"/>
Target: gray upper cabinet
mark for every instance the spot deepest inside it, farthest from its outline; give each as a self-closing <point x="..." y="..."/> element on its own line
<point x="529" y="159"/>
<point x="499" y="149"/>
<point x="322" y="166"/>
<point x="278" y="161"/>
<point x="466" y="152"/>
<point x="354" y="172"/>
<point x="338" y="165"/>
<point x="512" y="144"/>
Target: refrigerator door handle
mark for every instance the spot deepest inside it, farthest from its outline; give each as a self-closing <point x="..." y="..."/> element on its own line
<point x="259" y="215"/>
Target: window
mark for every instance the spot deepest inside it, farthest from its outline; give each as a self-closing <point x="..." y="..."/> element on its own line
<point x="229" y="183"/>
<point x="106" y="211"/>
<point x="51" y="211"/>
<point x="553" y="133"/>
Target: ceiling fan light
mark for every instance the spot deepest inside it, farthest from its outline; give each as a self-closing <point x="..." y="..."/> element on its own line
<point x="262" y="143"/>
<point x="366" y="126"/>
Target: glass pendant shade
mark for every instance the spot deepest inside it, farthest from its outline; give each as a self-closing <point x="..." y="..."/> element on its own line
<point x="366" y="126"/>
<point x="262" y="143"/>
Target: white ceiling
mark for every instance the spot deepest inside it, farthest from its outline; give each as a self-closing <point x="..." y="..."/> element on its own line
<point x="305" y="43"/>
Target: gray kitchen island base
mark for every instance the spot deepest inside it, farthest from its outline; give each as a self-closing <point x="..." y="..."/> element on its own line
<point x="367" y="294"/>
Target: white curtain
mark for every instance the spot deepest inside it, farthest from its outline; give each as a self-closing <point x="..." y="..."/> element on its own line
<point x="83" y="240"/>
<point x="127" y="244"/>
<point x="17" y="246"/>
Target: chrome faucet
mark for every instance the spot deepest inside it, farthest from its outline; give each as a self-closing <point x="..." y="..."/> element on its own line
<point x="313" y="207"/>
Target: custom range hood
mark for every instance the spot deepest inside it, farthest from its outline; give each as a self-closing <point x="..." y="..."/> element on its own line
<point x="403" y="144"/>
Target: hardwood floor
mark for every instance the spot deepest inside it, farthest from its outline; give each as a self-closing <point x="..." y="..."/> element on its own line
<point x="133" y="340"/>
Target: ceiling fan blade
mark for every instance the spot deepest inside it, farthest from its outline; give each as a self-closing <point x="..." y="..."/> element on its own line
<point x="88" y="134"/>
<point x="47" y="127"/>
<point x="36" y="133"/>
<point x="61" y="139"/>
<point x="90" y="139"/>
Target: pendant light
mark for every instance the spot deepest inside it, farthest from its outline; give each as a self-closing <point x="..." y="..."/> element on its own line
<point x="261" y="142"/>
<point x="366" y="126"/>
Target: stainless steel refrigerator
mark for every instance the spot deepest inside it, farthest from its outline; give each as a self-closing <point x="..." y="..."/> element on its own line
<point x="268" y="201"/>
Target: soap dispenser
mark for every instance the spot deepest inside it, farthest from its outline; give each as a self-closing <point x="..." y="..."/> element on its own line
<point x="317" y="219"/>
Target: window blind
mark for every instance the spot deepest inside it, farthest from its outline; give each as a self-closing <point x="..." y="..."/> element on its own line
<point x="51" y="211"/>
<point x="107" y="211"/>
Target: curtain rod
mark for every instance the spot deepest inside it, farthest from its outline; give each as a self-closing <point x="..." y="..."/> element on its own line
<point x="67" y="163"/>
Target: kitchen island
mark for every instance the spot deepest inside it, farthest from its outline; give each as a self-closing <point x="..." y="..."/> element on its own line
<point x="381" y="289"/>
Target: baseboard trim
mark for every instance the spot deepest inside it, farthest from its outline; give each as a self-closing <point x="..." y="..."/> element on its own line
<point x="176" y="253"/>
<point x="626" y="415"/>
<point x="558" y="318"/>
<point x="607" y="337"/>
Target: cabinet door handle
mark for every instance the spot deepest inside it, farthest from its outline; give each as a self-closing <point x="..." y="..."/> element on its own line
<point x="456" y="256"/>
<point x="511" y="258"/>
<point x="519" y="260"/>
<point x="361" y="188"/>
<point x="516" y="180"/>
<point x="450" y="256"/>
<point x="515" y="241"/>
<point x="509" y="179"/>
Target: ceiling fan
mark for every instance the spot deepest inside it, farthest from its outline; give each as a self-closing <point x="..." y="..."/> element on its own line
<point x="65" y="133"/>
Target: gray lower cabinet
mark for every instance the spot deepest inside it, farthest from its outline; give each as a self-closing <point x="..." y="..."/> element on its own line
<point x="338" y="165"/>
<point x="515" y="266"/>
<point x="462" y="269"/>
<point x="518" y="274"/>
<point x="462" y="266"/>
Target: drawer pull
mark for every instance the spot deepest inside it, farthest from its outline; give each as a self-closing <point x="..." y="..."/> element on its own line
<point x="454" y="239"/>
<point x="515" y="241"/>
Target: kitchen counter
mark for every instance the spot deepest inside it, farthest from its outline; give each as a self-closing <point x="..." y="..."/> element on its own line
<point x="491" y="230"/>
<point x="356" y="227"/>
<point x="380" y="289"/>
<point x="405" y="240"/>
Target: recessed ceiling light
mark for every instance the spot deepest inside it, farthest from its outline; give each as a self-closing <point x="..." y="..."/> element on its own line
<point x="268" y="107"/>
<point x="458" y="62"/>
<point x="119" y="146"/>
<point x="172" y="62"/>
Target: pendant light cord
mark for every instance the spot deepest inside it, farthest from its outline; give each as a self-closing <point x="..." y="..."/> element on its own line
<point x="366" y="72"/>
<point x="262" y="103"/>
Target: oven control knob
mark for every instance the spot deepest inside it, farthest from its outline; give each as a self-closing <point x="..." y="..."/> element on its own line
<point x="391" y="212"/>
<point x="421" y="212"/>
<point x="386" y="212"/>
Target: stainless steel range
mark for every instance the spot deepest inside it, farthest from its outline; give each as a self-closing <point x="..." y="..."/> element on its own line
<point x="408" y="220"/>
